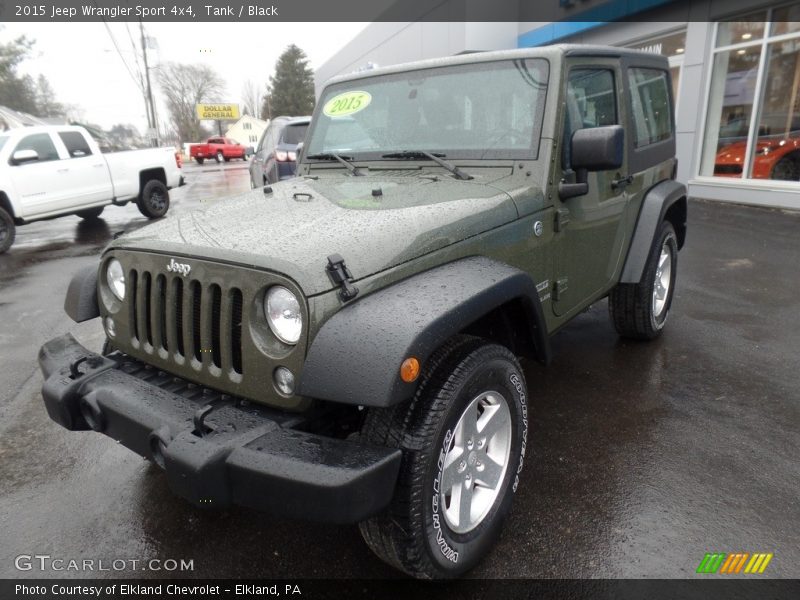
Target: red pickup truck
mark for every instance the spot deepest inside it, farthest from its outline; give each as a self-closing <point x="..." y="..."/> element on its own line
<point x="219" y="149"/>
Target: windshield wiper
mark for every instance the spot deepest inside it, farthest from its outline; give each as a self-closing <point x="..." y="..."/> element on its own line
<point x="437" y="158"/>
<point x="345" y="160"/>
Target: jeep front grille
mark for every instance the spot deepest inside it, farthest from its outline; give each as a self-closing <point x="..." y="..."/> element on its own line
<point x="185" y="320"/>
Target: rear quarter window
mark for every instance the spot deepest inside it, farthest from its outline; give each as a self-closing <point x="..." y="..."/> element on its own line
<point x="650" y="105"/>
<point x="76" y="144"/>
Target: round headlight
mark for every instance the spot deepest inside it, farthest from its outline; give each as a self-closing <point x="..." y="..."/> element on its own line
<point x="115" y="277"/>
<point x="283" y="314"/>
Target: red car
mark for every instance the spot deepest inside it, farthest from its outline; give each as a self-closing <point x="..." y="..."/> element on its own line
<point x="219" y="149"/>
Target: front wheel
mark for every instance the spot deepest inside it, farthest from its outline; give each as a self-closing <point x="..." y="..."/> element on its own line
<point x="154" y="201"/>
<point x="463" y="441"/>
<point x="8" y="231"/>
<point x="640" y="310"/>
<point x="219" y="157"/>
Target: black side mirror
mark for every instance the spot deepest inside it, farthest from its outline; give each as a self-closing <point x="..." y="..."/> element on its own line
<point x="592" y="149"/>
<point x="598" y="148"/>
<point x="299" y="152"/>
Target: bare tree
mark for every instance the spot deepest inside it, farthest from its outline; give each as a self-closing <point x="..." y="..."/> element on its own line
<point x="252" y="96"/>
<point x="183" y="87"/>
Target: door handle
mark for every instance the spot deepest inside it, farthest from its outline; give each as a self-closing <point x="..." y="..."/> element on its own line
<point x="98" y="166"/>
<point x="621" y="182"/>
<point x="64" y="170"/>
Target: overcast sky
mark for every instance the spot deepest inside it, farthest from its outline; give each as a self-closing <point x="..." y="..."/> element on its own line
<point x="85" y="70"/>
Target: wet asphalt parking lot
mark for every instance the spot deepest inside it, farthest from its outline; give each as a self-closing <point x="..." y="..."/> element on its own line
<point x="642" y="456"/>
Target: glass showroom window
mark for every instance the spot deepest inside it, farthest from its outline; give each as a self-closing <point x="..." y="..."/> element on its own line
<point x="753" y="119"/>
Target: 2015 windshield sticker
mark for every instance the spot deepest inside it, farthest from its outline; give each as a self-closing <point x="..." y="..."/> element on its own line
<point x="347" y="103"/>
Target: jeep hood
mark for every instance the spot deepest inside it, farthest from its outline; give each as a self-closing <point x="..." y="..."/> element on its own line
<point x="373" y="222"/>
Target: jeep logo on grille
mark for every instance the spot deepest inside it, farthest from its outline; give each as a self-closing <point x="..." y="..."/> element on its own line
<point x="176" y="267"/>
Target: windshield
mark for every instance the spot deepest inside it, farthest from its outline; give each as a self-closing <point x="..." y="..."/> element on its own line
<point x="479" y="110"/>
<point x="294" y="134"/>
<point x="3" y="140"/>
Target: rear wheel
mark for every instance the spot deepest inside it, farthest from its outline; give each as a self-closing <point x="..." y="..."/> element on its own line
<point x="463" y="441"/>
<point x="91" y="213"/>
<point x="154" y="201"/>
<point x="640" y="310"/>
<point x="8" y="230"/>
<point x="200" y="161"/>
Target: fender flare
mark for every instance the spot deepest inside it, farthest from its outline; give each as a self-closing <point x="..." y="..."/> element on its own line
<point x="657" y="201"/>
<point x="355" y="358"/>
<point x="81" y="301"/>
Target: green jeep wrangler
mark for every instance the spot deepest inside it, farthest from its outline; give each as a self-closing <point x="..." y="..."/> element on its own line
<point x="343" y="346"/>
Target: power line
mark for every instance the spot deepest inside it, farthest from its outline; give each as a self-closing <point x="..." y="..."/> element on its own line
<point x="135" y="56"/>
<point x="122" y="58"/>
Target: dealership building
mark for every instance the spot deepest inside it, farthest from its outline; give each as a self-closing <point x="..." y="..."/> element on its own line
<point x="735" y="68"/>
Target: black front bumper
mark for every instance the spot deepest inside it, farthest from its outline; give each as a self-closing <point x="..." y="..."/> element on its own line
<point x="245" y="454"/>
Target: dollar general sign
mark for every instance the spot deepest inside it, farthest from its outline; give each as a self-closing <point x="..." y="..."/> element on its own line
<point x="217" y="112"/>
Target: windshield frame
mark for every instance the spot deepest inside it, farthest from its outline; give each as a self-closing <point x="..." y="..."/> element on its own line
<point x="3" y="141"/>
<point x="460" y="154"/>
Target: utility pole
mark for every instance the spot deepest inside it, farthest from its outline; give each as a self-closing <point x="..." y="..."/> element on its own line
<point x="151" y="113"/>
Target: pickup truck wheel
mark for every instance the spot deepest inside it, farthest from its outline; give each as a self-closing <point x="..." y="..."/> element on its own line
<point x="640" y="310"/>
<point x="91" y="213"/>
<point x="220" y="157"/>
<point x="154" y="201"/>
<point x="200" y="161"/>
<point x="463" y="441"/>
<point x="8" y="231"/>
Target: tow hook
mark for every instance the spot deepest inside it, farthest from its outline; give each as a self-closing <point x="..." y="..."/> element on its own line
<point x="200" y="428"/>
<point x="92" y="362"/>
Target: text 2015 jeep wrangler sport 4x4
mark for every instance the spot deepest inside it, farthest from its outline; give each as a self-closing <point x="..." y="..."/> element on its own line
<point x="343" y="346"/>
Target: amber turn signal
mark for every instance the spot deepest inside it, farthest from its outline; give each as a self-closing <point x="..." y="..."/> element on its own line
<point x="409" y="370"/>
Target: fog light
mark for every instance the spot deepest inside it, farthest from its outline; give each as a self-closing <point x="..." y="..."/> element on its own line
<point x="110" y="327"/>
<point x="284" y="381"/>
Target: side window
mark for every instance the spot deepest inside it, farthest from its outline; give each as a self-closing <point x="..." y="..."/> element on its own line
<point x="591" y="102"/>
<point x="593" y="98"/>
<point x="650" y="106"/>
<point x="41" y="143"/>
<point x="264" y="137"/>
<point x="76" y="144"/>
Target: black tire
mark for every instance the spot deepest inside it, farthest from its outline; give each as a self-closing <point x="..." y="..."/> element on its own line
<point x="200" y="161"/>
<point x="219" y="157"/>
<point x="633" y="307"/>
<point x="787" y="168"/>
<point x="154" y="200"/>
<point x="227" y="159"/>
<point x="8" y="230"/>
<point x="413" y="534"/>
<point x="107" y="348"/>
<point x="90" y="213"/>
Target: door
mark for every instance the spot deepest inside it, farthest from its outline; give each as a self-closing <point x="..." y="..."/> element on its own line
<point x="39" y="184"/>
<point x="591" y="226"/>
<point x="88" y="178"/>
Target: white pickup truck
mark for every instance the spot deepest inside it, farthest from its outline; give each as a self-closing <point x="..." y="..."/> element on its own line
<point x="51" y="171"/>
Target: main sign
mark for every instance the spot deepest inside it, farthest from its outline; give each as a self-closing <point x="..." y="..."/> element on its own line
<point x="217" y="112"/>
